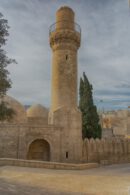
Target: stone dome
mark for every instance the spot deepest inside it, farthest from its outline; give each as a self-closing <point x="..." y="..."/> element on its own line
<point x="20" y="113"/>
<point x="37" y="111"/>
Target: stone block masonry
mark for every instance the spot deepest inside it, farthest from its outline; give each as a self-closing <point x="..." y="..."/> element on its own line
<point x="106" y="151"/>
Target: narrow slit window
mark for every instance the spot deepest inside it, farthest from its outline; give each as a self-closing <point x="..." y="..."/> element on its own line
<point x="66" y="154"/>
<point x="66" y="57"/>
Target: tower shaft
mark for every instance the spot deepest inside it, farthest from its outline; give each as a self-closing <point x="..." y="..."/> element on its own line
<point x="64" y="41"/>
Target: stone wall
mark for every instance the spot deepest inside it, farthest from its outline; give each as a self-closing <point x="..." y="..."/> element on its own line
<point x="15" y="139"/>
<point x="71" y="137"/>
<point x="8" y="142"/>
<point x="49" y="133"/>
<point x="118" y="121"/>
<point x="114" y="150"/>
<point x="107" y="133"/>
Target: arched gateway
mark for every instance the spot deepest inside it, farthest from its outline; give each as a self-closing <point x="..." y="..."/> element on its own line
<point x="39" y="150"/>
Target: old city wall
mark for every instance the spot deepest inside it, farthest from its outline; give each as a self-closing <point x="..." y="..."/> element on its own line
<point x="109" y="151"/>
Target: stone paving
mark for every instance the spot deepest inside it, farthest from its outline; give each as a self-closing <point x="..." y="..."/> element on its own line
<point x="108" y="180"/>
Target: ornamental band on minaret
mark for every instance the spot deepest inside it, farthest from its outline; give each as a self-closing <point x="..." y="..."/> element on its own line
<point x="64" y="40"/>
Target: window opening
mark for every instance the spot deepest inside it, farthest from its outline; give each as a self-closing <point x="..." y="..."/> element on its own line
<point x="66" y="154"/>
<point x="66" y="57"/>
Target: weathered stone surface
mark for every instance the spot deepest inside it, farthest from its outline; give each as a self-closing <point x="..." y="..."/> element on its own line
<point x="114" y="150"/>
<point x="116" y="123"/>
<point x="65" y="41"/>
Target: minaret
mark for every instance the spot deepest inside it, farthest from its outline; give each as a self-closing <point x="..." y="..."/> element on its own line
<point x="64" y="41"/>
<point x="65" y="37"/>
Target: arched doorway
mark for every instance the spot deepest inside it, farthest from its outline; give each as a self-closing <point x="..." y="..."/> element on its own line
<point x="39" y="150"/>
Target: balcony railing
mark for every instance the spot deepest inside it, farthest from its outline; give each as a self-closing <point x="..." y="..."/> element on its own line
<point x="65" y="25"/>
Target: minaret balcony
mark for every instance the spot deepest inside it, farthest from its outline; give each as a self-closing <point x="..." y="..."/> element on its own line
<point x="65" y="25"/>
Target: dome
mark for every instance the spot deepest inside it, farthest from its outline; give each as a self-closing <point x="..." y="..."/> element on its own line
<point x="20" y="113"/>
<point x="37" y="111"/>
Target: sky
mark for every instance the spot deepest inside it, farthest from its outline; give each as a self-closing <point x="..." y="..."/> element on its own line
<point x="104" y="54"/>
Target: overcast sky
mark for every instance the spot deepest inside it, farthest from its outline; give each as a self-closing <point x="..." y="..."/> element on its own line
<point x="104" y="54"/>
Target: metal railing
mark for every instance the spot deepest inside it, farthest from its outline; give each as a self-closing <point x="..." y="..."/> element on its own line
<point x="68" y="25"/>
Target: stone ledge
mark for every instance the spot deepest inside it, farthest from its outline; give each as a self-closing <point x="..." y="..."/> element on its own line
<point x="48" y="165"/>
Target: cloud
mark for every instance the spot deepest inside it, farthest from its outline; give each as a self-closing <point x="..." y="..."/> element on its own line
<point x="104" y="53"/>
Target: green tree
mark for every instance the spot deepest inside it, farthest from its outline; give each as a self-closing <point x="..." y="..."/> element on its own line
<point x="90" y="119"/>
<point x="6" y="113"/>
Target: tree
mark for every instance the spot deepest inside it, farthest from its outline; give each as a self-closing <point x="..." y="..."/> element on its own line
<point x="6" y="113"/>
<point x="90" y="119"/>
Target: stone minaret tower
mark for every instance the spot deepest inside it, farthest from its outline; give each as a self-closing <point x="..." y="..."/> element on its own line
<point x="65" y="37"/>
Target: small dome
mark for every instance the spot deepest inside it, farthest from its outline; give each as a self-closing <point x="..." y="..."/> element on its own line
<point x="37" y="111"/>
<point x="20" y="113"/>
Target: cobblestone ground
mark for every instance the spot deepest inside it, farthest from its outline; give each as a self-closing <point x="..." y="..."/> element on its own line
<point x="108" y="180"/>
